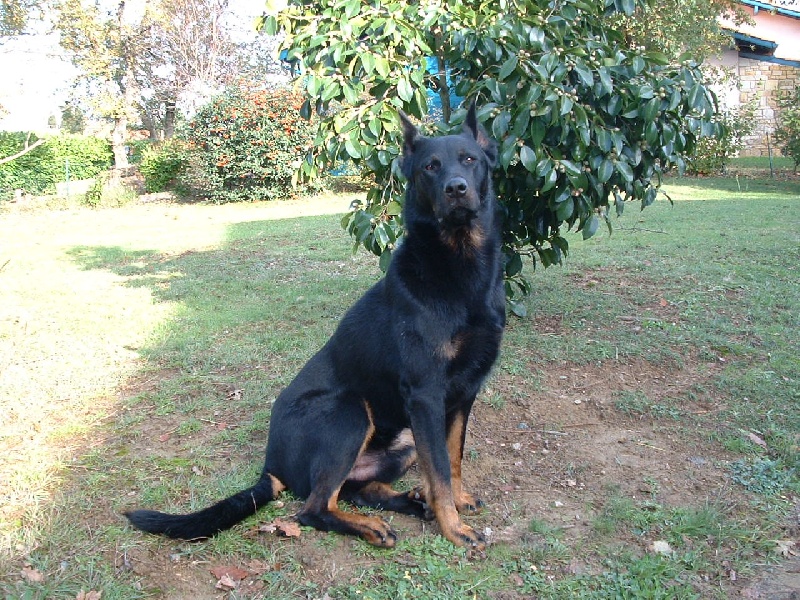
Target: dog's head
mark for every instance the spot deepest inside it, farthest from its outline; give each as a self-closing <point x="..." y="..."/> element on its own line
<point x="450" y="175"/>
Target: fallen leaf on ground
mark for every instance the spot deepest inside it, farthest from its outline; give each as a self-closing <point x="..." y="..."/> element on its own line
<point x="225" y="583"/>
<point x="90" y="595"/>
<point x="288" y="528"/>
<point x="32" y="575"/>
<point x="257" y="567"/>
<point x="234" y="573"/>
<point x="756" y="440"/>
<point x="786" y="548"/>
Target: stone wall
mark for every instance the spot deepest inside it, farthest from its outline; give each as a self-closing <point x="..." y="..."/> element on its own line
<point x="761" y="81"/>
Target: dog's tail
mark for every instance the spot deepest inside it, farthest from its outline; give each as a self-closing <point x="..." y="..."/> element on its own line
<point x="209" y="521"/>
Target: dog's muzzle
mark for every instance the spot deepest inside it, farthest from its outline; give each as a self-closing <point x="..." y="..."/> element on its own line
<point x="462" y="202"/>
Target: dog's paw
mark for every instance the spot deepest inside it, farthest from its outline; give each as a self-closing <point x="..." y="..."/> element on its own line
<point x="379" y="533"/>
<point x="467" y="504"/>
<point x="464" y="535"/>
<point x="417" y="497"/>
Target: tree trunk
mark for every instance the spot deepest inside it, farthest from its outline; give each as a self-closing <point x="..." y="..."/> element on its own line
<point x="169" y="119"/>
<point x="443" y="88"/>
<point x="150" y="124"/>
<point x="118" y="142"/>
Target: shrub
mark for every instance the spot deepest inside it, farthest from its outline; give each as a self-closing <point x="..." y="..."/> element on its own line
<point x="108" y="192"/>
<point x="787" y="133"/>
<point x="37" y="171"/>
<point x="713" y="153"/>
<point x="162" y="165"/>
<point x="23" y="172"/>
<point x="247" y="145"/>
<point x="138" y="148"/>
<point x="87" y="156"/>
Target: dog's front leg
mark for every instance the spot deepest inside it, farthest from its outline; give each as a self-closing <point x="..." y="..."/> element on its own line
<point x="428" y="425"/>
<point x="465" y="502"/>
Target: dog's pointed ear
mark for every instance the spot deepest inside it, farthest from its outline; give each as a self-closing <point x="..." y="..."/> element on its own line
<point x="473" y="128"/>
<point x="410" y="134"/>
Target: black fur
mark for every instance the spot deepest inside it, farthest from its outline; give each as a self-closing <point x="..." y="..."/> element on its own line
<point x="411" y="354"/>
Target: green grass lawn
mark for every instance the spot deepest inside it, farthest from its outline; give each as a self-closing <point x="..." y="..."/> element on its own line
<point x="141" y="348"/>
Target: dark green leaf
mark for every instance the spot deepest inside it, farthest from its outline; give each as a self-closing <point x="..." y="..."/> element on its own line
<point x="605" y="171"/>
<point x="590" y="227"/>
<point x="385" y="260"/>
<point x="518" y="308"/>
<point x="625" y="170"/>
<point x="514" y="265"/>
<point x="508" y="67"/>
<point x="565" y="209"/>
<point x="404" y="89"/>
<point x="528" y="158"/>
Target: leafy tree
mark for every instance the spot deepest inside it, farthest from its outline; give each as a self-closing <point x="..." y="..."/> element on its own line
<point x="103" y="46"/>
<point x="14" y="15"/>
<point x="678" y="26"/>
<point x="73" y="119"/>
<point x="787" y="132"/>
<point x="184" y="44"/>
<point x="140" y="57"/>
<point x="582" y="118"/>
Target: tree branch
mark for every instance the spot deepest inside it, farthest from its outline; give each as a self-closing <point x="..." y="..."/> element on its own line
<point x="24" y="151"/>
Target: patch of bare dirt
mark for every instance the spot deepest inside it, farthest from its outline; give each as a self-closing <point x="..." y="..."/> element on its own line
<point x="556" y="455"/>
<point x="560" y="452"/>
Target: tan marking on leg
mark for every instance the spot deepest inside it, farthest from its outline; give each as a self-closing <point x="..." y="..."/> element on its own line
<point x="455" y="447"/>
<point x="363" y="467"/>
<point x="465" y="502"/>
<point x="277" y="485"/>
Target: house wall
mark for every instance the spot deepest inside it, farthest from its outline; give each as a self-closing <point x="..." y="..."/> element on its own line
<point x="769" y="25"/>
<point x="762" y="82"/>
<point x="758" y="82"/>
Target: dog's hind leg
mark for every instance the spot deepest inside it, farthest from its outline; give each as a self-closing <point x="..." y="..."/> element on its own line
<point x="376" y="494"/>
<point x="336" y="454"/>
<point x="324" y="514"/>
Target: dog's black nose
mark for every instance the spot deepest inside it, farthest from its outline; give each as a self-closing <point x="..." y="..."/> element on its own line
<point x="456" y="187"/>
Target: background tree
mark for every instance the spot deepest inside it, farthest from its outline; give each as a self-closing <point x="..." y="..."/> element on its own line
<point x="14" y="16"/>
<point x="186" y="45"/>
<point x="104" y="46"/>
<point x="148" y="58"/>
<point x="582" y="118"/>
<point x="675" y="27"/>
<point x="73" y="119"/>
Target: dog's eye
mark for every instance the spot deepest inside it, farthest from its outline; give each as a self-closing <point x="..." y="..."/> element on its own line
<point x="433" y="166"/>
<point x="469" y="159"/>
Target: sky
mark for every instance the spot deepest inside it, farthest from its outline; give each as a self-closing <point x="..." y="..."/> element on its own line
<point x="35" y="81"/>
<point x="36" y="76"/>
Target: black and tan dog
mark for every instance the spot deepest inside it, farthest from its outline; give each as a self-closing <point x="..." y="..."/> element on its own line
<point x="396" y="382"/>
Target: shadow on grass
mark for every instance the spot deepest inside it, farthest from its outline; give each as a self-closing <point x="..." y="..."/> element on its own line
<point x="243" y="318"/>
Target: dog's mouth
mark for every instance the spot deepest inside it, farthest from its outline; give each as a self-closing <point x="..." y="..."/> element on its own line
<point x="459" y="216"/>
